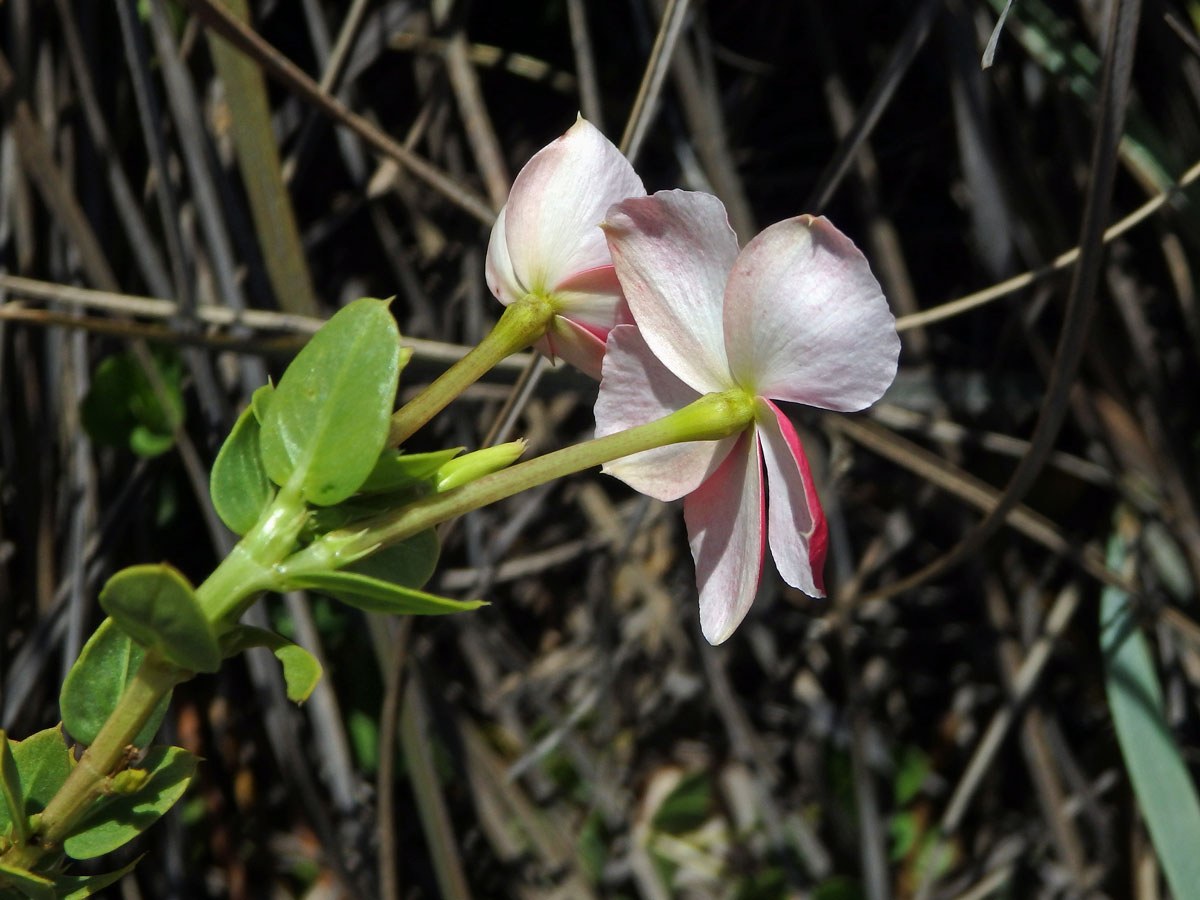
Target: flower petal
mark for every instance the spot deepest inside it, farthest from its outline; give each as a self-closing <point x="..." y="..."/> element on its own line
<point x="805" y="320"/>
<point x="636" y="389"/>
<point x="498" y="270"/>
<point x="557" y="203"/>
<point x="580" y="345"/>
<point x="673" y="252"/>
<point x="796" y="529"/>
<point x="590" y="297"/>
<point x="725" y="523"/>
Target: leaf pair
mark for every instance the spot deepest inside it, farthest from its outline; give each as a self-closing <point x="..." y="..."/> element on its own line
<point x="323" y="428"/>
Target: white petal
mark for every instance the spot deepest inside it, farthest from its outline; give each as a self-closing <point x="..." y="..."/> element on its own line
<point x="498" y="270"/>
<point x="725" y="523"/>
<point x="796" y="526"/>
<point x="557" y="203"/>
<point x="805" y="320"/>
<point x="673" y="253"/>
<point x="636" y="389"/>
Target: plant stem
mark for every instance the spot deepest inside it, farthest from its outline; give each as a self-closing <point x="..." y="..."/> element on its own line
<point x="248" y="570"/>
<point x="88" y="780"/>
<point x="712" y="417"/>
<point x="521" y="325"/>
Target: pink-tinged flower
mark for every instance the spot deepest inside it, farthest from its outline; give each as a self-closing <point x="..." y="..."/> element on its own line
<point x="547" y="241"/>
<point x="796" y="316"/>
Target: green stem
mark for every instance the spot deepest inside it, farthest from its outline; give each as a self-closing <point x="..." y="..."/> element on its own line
<point x="106" y="755"/>
<point x="710" y="418"/>
<point x="249" y="569"/>
<point x="520" y="326"/>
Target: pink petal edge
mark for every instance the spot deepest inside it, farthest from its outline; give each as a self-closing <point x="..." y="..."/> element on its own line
<point x="726" y="519"/>
<point x="580" y="345"/>
<point x="797" y="530"/>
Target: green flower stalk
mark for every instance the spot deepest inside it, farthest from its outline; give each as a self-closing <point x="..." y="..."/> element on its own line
<point x="710" y="418"/>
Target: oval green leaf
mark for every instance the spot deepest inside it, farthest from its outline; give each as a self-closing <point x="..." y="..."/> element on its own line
<point x="410" y="563"/>
<point x="116" y="820"/>
<point x="95" y="683"/>
<point x="328" y="419"/>
<point x="375" y="595"/>
<point x="43" y="763"/>
<point x="301" y="670"/>
<point x="239" y="487"/>
<point x="156" y="606"/>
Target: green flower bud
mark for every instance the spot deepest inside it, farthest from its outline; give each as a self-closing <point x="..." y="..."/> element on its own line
<point x="466" y="469"/>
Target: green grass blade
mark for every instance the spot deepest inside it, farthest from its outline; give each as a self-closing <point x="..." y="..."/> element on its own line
<point x="1161" y="782"/>
<point x="258" y="159"/>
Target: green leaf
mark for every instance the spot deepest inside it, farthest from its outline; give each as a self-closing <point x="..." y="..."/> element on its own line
<point x="301" y="670"/>
<point x="687" y="806"/>
<point x="240" y="488"/>
<point x="328" y="419"/>
<point x="410" y="563"/>
<point x="396" y="469"/>
<point x="43" y="763"/>
<point x="77" y="887"/>
<point x="156" y="606"/>
<point x="260" y="400"/>
<point x="375" y="595"/>
<point x="1161" y="782"/>
<point x="10" y="791"/>
<point x="95" y="683"/>
<point x="125" y="407"/>
<point x="33" y="886"/>
<point x="115" y="820"/>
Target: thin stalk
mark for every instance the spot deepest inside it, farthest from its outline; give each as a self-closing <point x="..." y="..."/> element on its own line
<point x="710" y="418"/>
<point x="520" y="326"/>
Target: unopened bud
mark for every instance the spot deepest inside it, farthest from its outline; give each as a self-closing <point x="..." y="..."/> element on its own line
<point x="475" y="465"/>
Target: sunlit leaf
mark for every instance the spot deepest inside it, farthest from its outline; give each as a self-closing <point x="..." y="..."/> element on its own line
<point x="328" y="419"/>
